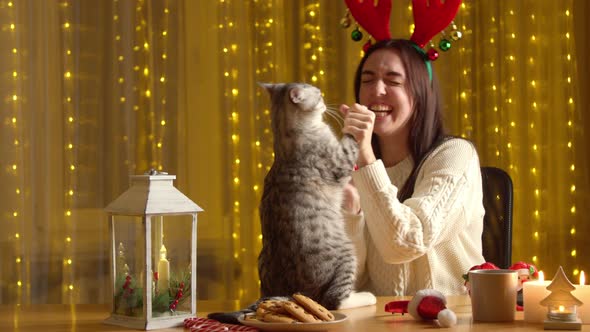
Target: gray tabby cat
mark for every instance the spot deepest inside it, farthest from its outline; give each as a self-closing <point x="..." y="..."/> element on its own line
<point x="305" y="248"/>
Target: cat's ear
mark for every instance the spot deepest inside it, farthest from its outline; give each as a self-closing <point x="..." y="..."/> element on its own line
<point x="270" y="87"/>
<point x="297" y="95"/>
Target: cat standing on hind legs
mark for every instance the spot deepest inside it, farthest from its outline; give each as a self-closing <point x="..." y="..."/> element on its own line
<point x="305" y="247"/>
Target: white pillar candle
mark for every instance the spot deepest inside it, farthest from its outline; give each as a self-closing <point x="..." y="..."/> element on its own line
<point x="163" y="271"/>
<point x="534" y="291"/>
<point x="582" y="293"/>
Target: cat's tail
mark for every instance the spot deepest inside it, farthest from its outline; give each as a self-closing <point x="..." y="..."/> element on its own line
<point x="232" y="317"/>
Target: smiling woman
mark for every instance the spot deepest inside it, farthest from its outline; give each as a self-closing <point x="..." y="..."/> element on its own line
<point x="385" y="86"/>
<point x="420" y="192"/>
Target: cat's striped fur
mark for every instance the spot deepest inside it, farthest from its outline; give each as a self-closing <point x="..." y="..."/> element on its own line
<point x="305" y="247"/>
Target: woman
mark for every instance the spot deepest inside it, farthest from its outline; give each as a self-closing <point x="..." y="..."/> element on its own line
<point x="415" y="211"/>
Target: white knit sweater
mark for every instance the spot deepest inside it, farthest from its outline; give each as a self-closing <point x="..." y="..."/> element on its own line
<point x="431" y="239"/>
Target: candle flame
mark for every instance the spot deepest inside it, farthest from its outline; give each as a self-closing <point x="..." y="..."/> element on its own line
<point x="163" y="252"/>
<point x="541" y="276"/>
<point x="582" y="278"/>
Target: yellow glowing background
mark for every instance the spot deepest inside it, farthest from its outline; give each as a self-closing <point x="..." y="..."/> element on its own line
<point x="94" y="91"/>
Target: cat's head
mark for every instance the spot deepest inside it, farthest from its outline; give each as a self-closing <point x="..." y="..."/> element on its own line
<point x="295" y="104"/>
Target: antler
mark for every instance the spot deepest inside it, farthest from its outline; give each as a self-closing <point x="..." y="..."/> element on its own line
<point x="373" y="18"/>
<point x="430" y="19"/>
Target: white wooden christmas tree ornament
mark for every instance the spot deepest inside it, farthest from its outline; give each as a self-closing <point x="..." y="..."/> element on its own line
<point x="561" y="304"/>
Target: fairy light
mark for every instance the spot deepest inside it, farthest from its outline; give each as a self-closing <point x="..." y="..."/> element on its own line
<point x="15" y="176"/>
<point x="536" y="201"/>
<point x="69" y="68"/>
<point x="230" y="64"/>
<point x="159" y="78"/>
<point x="507" y="87"/>
<point x="494" y="93"/>
<point x="144" y="95"/>
<point x="265" y="56"/>
<point x="570" y="93"/>
<point x="313" y="58"/>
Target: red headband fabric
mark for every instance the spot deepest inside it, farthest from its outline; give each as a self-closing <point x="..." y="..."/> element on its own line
<point x="430" y="17"/>
<point x="374" y="19"/>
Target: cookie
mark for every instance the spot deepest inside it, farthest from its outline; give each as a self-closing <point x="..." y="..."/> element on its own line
<point x="260" y="312"/>
<point x="299" y="313"/>
<point x="272" y="317"/>
<point x="275" y="306"/>
<point x="250" y="317"/>
<point x="313" y="307"/>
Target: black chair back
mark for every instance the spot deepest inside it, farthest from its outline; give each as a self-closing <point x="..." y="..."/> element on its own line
<point x="497" y="228"/>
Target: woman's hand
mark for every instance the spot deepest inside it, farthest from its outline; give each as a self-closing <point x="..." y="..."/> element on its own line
<point x="351" y="202"/>
<point x="358" y="122"/>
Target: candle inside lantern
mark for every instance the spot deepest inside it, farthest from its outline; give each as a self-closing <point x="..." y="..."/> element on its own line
<point x="582" y="292"/>
<point x="163" y="271"/>
<point x="534" y="291"/>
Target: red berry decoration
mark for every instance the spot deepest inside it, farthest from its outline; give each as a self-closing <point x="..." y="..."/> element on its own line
<point x="432" y="54"/>
<point x="367" y="45"/>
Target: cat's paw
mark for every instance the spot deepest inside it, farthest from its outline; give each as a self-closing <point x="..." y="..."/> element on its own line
<point x="360" y="299"/>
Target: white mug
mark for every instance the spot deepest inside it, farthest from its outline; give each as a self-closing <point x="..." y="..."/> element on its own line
<point x="493" y="295"/>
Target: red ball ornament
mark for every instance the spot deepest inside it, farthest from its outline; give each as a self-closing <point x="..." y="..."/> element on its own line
<point x="432" y="54"/>
<point x="367" y="45"/>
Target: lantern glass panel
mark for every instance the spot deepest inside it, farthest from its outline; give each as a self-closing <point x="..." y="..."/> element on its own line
<point x="129" y="266"/>
<point x="171" y="264"/>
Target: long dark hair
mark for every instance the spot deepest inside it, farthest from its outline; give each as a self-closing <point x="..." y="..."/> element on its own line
<point x="426" y="127"/>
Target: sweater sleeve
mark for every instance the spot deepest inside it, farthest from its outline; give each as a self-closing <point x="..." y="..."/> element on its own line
<point x="402" y="232"/>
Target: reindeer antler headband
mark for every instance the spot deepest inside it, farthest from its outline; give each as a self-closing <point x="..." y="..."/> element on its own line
<point x="430" y="18"/>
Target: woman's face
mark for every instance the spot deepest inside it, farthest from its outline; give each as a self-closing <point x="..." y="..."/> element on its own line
<point x="383" y="91"/>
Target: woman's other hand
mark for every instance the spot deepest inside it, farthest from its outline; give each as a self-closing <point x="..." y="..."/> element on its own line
<point x="358" y="122"/>
<point x="350" y="199"/>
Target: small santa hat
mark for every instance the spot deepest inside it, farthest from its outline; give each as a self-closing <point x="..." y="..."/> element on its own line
<point x="427" y="304"/>
<point x="525" y="268"/>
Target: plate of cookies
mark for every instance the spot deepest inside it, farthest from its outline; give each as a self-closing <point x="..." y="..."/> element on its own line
<point x="300" y="314"/>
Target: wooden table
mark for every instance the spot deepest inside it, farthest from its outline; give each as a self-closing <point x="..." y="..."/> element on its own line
<point x="87" y="317"/>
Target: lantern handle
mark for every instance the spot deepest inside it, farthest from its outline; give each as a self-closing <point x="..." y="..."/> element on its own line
<point x="153" y="171"/>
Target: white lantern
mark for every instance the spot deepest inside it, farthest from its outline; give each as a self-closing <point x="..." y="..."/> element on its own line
<point x="153" y="229"/>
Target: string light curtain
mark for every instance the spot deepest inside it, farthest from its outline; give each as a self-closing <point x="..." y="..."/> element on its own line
<point x="13" y="265"/>
<point x="71" y="113"/>
<point x="87" y="97"/>
<point x="172" y="85"/>
<point x="510" y="86"/>
<point x="507" y="64"/>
